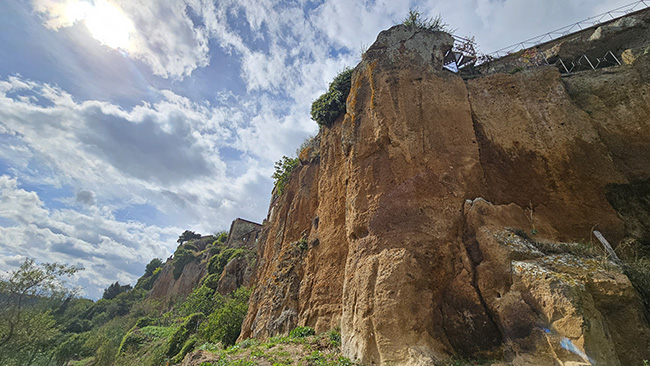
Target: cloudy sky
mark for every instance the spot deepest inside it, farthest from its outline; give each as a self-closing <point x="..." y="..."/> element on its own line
<point x="123" y="123"/>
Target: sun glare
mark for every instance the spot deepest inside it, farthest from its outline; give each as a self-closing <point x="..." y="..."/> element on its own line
<point x="105" y="22"/>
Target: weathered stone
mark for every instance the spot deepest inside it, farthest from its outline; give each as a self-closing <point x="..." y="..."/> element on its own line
<point x="411" y="264"/>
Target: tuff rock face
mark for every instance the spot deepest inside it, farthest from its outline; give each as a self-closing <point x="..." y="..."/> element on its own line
<point x="408" y="231"/>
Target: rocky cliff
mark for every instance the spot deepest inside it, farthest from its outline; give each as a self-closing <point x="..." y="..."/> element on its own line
<point x="236" y="271"/>
<point x="448" y="217"/>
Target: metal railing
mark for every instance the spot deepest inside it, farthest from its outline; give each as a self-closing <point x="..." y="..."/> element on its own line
<point x="585" y="63"/>
<point x="575" y="27"/>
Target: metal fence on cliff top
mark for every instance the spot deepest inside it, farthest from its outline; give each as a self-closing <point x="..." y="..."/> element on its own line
<point x="575" y="27"/>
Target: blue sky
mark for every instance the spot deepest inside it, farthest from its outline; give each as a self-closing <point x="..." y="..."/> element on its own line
<point x="123" y="123"/>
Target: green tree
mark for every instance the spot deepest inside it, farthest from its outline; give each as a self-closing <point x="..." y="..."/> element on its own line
<point x="27" y="329"/>
<point x="222" y="236"/>
<point x="187" y="235"/>
<point x="115" y="289"/>
<point x="181" y="258"/>
<point x="152" y="266"/>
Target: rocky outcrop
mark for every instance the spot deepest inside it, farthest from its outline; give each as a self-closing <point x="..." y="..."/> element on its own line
<point x="236" y="273"/>
<point x="411" y="229"/>
<point x="168" y="290"/>
<point x="243" y="236"/>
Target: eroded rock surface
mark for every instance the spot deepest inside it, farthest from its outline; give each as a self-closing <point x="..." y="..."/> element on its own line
<point x="410" y="229"/>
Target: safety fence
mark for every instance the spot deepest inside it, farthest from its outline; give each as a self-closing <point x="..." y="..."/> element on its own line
<point x="463" y="58"/>
<point x="571" y="28"/>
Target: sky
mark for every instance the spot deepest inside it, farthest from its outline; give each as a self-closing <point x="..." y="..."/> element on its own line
<point x="124" y="123"/>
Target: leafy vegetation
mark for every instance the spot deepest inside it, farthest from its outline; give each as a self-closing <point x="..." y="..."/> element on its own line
<point x="283" y="169"/>
<point x="308" y="350"/>
<point x="29" y="296"/>
<point x="301" y="332"/>
<point x="115" y="289"/>
<point x="224" y="324"/>
<point x="187" y="236"/>
<point x="152" y="267"/>
<point x="182" y="257"/>
<point x="181" y="335"/>
<point x="329" y="106"/>
<point x="218" y="262"/>
<point x="417" y="20"/>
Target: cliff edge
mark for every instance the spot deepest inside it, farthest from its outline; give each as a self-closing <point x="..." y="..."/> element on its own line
<point x="446" y="217"/>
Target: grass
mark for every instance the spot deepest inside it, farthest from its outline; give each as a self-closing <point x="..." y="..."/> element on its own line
<point x="158" y="332"/>
<point x="302" y="348"/>
<point x="463" y="361"/>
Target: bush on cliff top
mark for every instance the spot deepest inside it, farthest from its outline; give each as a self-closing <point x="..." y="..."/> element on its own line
<point x="415" y="19"/>
<point x="329" y="106"/>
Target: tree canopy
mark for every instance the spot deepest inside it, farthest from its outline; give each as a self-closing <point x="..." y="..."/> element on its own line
<point x="115" y="289"/>
<point x="27" y="328"/>
<point x="187" y="236"/>
<point x="152" y="266"/>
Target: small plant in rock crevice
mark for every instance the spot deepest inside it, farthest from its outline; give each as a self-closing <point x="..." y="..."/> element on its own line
<point x="283" y="169"/>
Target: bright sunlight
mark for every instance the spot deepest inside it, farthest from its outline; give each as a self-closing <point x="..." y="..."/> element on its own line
<point x="105" y="21"/>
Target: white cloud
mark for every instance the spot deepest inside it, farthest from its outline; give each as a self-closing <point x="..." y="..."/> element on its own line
<point x="68" y="236"/>
<point x="164" y="36"/>
<point x="165" y="156"/>
<point x="197" y="162"/>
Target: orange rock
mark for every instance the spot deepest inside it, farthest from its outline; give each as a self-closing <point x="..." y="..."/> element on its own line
<point x="387" y="237"/>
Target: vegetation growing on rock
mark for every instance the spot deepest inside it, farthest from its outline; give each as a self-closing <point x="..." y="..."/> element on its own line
<point x="283" y="169"/>
<point x="329" y="106"/>
<point x="416" y="20"/>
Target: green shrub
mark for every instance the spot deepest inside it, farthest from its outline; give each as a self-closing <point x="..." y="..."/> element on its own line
<point x="224" y="324"/>
<point x="301" y="332"/>
<point x="181" y="258"/>
<point x="219" y="261"/>
<point x="188" y="347"/>
<point x="153" y="265"/>
<point x="334" y="336"/>
<point x="146" y="282"/>
<point x="222" y="237"/>
<point x="145" y="321"/>
<point x="211" y="281"/>
<point x="72" y="347"/>
<point x="200" y="300"/>
<point x="131" y="341"/>
<point x="415" y="19"/>
<point x="190" y="246"/>
<point x="302" y="244"/>
<point x="283" y="169"/>
<point x="180" y="336"/>
<point x="329" y="106"/>
<point x="158" y="332"/>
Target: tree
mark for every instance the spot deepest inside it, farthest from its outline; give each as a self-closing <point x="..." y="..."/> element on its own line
<point x="186" y="236"/>
<point x="152" y="266"/>
<point x="26" y="326"/>
<point x="115" y="289"/>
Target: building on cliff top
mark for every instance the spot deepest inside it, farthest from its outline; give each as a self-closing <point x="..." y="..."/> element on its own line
<point x="243" y="234"/>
